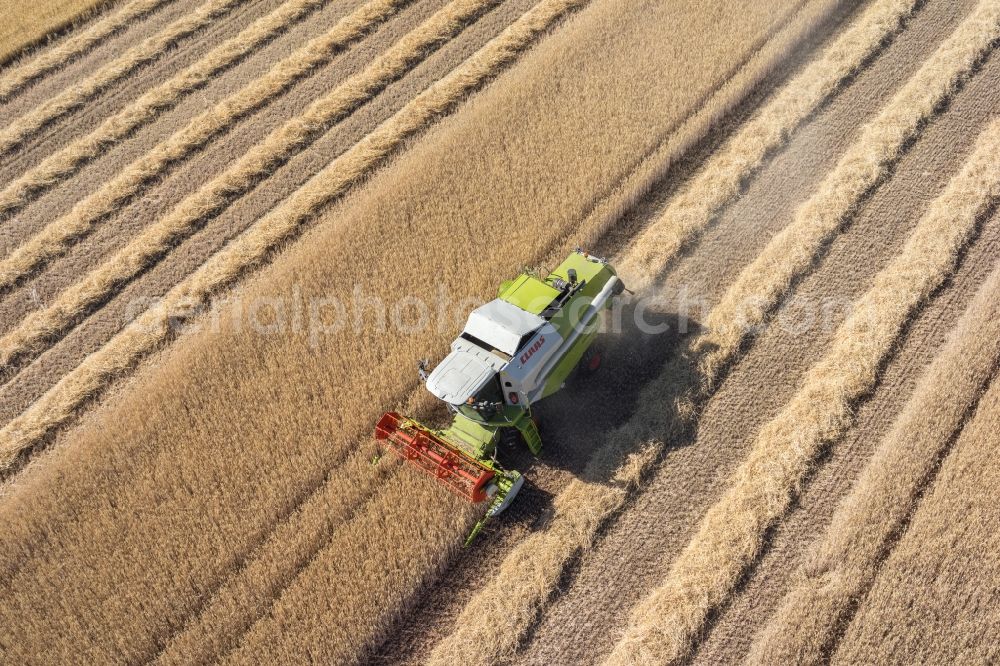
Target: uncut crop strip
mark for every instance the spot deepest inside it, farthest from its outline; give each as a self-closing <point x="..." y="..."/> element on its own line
<point x="131" y="344"/>
<point x="490" y="626"/>
<point x="841" y="567"/>
<point x="68" y="159"/>
<point x="75" y="96"/>
<point x="653" y="166"/>
<point x="85" y="214"/>
<point x="718" y="182"/>
<point x="16" y="78"/>
<point x="665" y="624"/>
<point x="762" y="284"/>
<point x="246" y="173"/>
<point x="59" y="404"/>
<point x="934" y="599"/>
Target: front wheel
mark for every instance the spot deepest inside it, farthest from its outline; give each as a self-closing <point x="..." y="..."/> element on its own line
<point x="590" y="362"/>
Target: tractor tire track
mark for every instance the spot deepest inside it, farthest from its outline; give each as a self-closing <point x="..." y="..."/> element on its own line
<point x="834" y="573"/>
<point x="933" y="598"/>
<point x="668" y="621"/>
<point x="733" y="631"/>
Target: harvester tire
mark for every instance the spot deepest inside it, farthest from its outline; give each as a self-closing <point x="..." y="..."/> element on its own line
<point x="511" y="438"/>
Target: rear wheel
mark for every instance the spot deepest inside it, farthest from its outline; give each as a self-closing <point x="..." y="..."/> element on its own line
<point x="589" y="363"/>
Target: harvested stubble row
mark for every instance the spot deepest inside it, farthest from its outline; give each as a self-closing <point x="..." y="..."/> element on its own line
<point x="665" y="624"/>
<point x="29" y="28"/>
<point x="718" y="182"/>
<point x="77" y="95"/>
<point x="68" y="159"/>
<point x="480" y="633"/>
<point x="934" y="600"/>
<point x="257" y="463"/>
<point x="254" y="246"/>
<point x="791" y="29"/>
<point x="85" y="214"/>
<point x="840" y="568"/>
<point x="43" y="325"/>
<point x="762" y="284"/>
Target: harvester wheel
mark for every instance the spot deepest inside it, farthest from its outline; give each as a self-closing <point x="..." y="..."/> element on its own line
<point x="511" y="437"/>
<point x="590" y="363"/>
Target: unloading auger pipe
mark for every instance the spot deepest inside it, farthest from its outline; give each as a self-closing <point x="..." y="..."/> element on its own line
<point x="593" y="309"/>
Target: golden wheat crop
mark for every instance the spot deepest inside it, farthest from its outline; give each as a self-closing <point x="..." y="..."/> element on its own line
<point x="731" y="534"/>
<point x="77" y="95"/>
<point x="245" y="173"/>
<point x="933" y="599"/>
<point x="28" y="24"/>
<point x="489" y="628"/>
<point x="762" y="284"/>
<point x="61" y="164"/>
<point x="55" y="237"/>
<point x="718" y="182"/>
<point x="842" y="564"/>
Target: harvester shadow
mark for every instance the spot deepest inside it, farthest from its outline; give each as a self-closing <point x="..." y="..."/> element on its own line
<point x="639" y="345"/>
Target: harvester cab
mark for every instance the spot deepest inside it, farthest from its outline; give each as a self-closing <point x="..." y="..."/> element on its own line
<point x="514" y="351"/>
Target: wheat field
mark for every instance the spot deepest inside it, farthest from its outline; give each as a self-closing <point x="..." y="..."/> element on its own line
<point x="229" y="229"/>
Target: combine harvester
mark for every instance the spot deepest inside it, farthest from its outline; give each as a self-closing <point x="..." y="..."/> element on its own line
<point x="514" y="351"/>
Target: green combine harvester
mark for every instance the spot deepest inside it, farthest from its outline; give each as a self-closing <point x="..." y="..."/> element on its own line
<point x="514" y="351"/>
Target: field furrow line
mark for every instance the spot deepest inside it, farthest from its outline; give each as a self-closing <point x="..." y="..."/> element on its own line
<point x="75" y="96"/>
<point x="841" y="566"/>
<point x="58" y="166"/>
<point x="253" y="247"/>
<point x="762" y="284"/>
<point x="16" y="78"/>
<point x="489" y="628"/>
<point x="70" y="306"/>
<point x="54" y="238"/>
<point x="719" y="181"/>
<point x="664" y="626"/>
